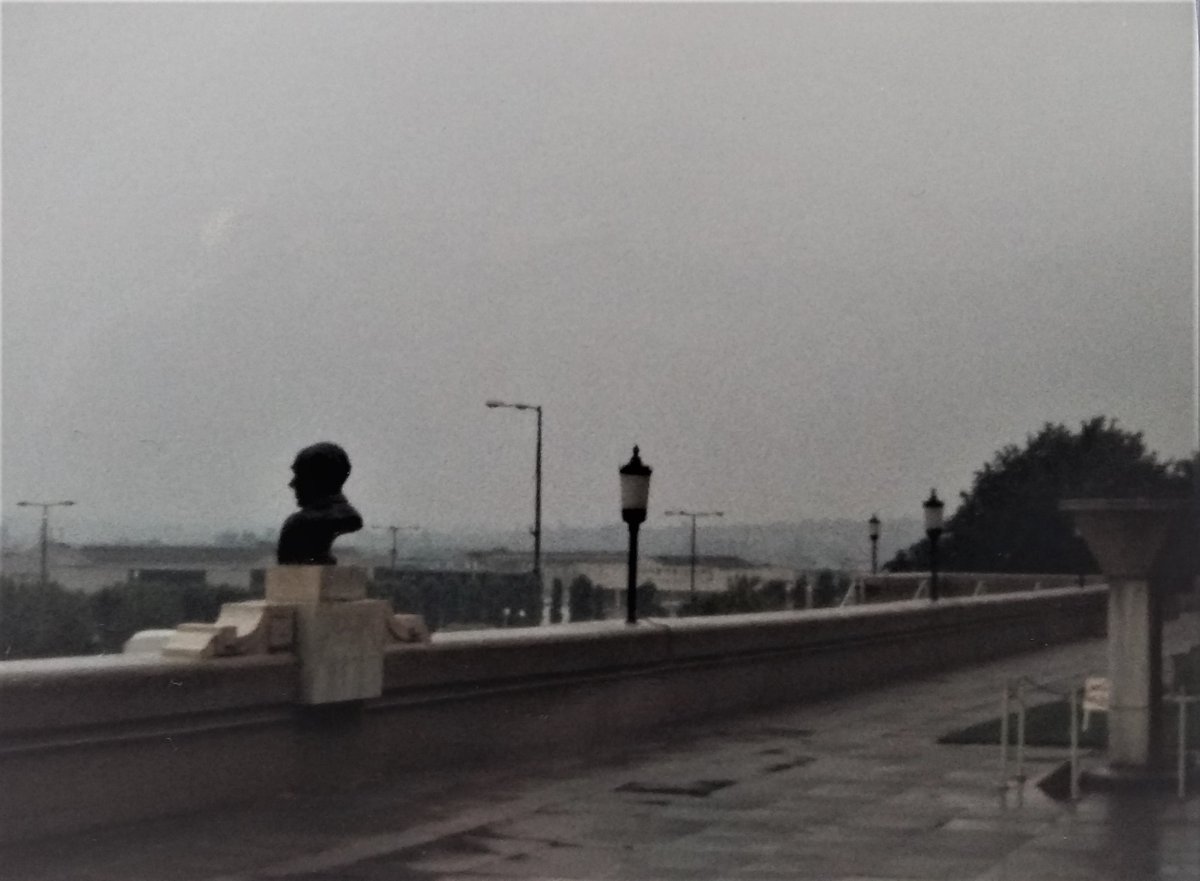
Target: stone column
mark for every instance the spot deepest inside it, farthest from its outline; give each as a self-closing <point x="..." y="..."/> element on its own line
<point x="1125" y="536"/>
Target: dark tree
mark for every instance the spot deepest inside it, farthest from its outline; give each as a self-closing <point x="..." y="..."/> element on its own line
<point x="580" y="599"/>
<point x="40" y="622"/>
<point x="775" y="595"/>
<point x="648" y="605"/>
<point x="829" y="588"/>
<point x="1009" y="520"/>
<point x="556" y="601"/>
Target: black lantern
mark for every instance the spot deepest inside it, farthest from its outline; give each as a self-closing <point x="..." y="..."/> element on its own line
<point x="933" y="531"/>
<point x="635" y="498"/>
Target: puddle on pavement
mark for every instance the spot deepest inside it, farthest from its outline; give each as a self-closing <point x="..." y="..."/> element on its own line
<point x="695" y="789"/>
<point x="798" y="762"/>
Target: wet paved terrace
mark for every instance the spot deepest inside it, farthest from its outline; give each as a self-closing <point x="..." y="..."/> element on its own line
<point x="852" y="788"/>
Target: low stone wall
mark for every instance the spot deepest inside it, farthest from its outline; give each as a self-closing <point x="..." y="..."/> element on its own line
<point x="101" y="740"/>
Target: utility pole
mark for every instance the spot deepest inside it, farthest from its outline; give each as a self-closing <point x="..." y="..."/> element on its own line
<point x="395" y="531"/>
<point x="45" y="575"/>
<point x="694" y="515"/>
<point x="537" y="485"/>
<point x="45" y="506"/>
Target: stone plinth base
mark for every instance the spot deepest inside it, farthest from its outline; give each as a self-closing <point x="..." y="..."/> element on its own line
<point x="307" y="585"/>
<point x="322" y="614"/>
<point x="341" y="650"/>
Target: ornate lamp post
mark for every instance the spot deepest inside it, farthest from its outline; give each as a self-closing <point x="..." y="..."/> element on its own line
<point x="635" y="496"/>
<point x="933" y="530"/>
<point x="694" y="515"/>
<point x="537" y="487"/>
<point x="873" y="532"/>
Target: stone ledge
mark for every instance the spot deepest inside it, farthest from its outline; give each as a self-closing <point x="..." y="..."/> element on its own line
<point x="54" y="694"/>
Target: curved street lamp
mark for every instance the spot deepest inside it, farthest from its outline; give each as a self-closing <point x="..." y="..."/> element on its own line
<point x="635" y="498"/>
<point x="933" y="530"/>
<point x="693" y="515"/>
<point x="537" y="485"/>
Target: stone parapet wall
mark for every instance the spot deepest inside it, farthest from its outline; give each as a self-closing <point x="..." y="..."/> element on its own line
<point x="91" y="741"/>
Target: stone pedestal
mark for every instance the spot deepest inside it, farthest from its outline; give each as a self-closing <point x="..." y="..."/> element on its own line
<point x="321" y="613"/>
<point x="1133" y="626"/>
<point x="315" y="584"/>
<point x="340" y="645"/>
<point x="339" y="632"/>
<point x="1125" y="536"/>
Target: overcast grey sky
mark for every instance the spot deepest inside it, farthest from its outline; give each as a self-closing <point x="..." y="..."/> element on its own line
<point x="813" y="258"/>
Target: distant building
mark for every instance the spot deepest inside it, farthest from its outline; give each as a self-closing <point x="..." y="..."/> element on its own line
<point x="89" y="568"/>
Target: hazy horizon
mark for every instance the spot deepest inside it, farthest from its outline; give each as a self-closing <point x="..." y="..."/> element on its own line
<point x="813" y="258"/>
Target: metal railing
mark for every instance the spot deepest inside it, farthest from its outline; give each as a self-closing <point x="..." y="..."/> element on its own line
<point x="1016" y="690"/>
<point x="1183" y="701"/>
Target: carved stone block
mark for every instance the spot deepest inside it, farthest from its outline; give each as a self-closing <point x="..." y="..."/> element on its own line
<point x="341" y="650"/>
<point x="408" y="628"/>
<point x="308" y="585"/>
<point x="195" y="641"/>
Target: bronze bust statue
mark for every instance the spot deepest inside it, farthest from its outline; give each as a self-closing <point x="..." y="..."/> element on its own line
<point x="308" y="534"/>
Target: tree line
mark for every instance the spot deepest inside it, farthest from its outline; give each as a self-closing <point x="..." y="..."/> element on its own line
<point x="1009" y="520"/>
<point x="37" y="622"/>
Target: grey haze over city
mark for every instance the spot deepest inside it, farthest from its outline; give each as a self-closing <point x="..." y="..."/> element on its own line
<point x="813" y="258"/>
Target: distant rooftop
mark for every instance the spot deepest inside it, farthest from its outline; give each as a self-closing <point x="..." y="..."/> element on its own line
<point x="714" y="561"/>
<point x="109" y="554"/>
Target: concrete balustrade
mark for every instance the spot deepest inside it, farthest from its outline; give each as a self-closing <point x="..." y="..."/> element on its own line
<point x="89" y="741"/>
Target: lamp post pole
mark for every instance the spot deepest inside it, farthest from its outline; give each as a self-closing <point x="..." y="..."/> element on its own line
<point x="537" y="505"/>
<point x="873" y="528"/>
<point x="537" y="486"/>
<point x="933" y="531"/>
<point x="395" y="531"/>
<point x="45" y="506"/>
<point x="1080" y="556"/>
<point x="635" y="497"/>
<point x="45" y="543"/>
<point x="694" y="515"/>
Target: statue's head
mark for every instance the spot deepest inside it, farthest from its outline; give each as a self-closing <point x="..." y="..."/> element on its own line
<point x="319" y="472"/>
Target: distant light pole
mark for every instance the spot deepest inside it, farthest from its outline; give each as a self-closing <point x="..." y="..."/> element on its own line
<point x="394" y="530"/>
<point x="694" y="515"/>
<point x="635" y="498"/>
<point x="537" y="487"/>
<point x="45" y="578"/>
<point x="45" y="506"/>
<point x="873" y="531"/>
<point x="933" y="530"/>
